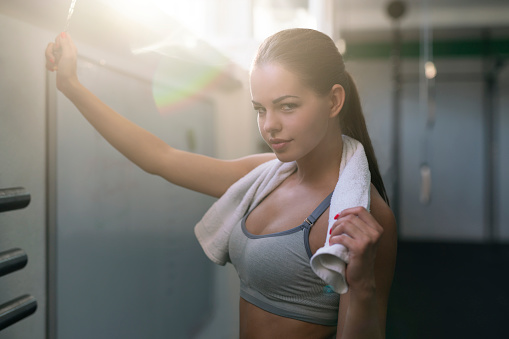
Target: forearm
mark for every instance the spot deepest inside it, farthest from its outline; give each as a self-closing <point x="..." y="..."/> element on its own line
<point x="362" y="317"/>
<point x="134" y="142"/>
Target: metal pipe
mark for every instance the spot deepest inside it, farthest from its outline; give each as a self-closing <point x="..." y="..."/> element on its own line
<point x="13" y="198"/>
<point x="17" y="309"/>
<point x="12" y="260"/>
<point x="491" y="69"/>
<point x="396" y="10"/>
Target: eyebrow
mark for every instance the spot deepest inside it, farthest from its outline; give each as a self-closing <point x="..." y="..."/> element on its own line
<point x="275" y="101"/>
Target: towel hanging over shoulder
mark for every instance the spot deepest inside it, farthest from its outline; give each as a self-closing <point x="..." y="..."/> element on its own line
<point x="352" y="189"/>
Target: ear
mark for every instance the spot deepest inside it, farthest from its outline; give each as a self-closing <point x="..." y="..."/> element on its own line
<point x="337" y="99"/>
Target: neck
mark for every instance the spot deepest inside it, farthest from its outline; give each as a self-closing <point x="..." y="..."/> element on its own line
<point x="320" y="167"/>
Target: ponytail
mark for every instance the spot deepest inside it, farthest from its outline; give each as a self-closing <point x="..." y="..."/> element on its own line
<point x="353" y="124"/>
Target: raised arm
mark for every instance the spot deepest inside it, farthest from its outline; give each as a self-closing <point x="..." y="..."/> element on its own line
<point x="197" y="172"/>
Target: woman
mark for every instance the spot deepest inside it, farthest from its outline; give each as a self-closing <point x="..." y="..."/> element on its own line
<point x="305" y="101"/>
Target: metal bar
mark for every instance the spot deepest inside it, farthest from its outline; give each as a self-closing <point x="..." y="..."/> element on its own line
<point x="51" y="207"/>
<point x="12" y="260"/>
<point x="396" y="9"/>
<point x="17" y="309"/>
<point x="13" y="198"/>
<point x="396" y="119"/>
<point x="491" y="68"/>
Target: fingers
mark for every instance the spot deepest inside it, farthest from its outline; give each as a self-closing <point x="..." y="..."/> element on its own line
<point x="63" y="46"/>
<point x="355" y="225"/>
<point x="362" y="214"/>
<point x="61" y="41"/>
<point x="360" y="240"/>
<point x="50" y="57"/>
<point x="359" y="211"/>
<point x="350" y="226"/>
<point x="65" y="43"/>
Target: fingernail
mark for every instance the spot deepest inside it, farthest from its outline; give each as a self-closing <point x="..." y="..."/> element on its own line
<point x="330" y="231"/>
<point x="63" y="35"/>
<point x="336" y="217"/>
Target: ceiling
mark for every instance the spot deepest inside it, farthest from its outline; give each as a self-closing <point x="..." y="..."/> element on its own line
<point x="95" y="23"/>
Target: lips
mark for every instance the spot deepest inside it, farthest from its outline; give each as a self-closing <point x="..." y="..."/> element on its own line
<point x="278" y="144"/>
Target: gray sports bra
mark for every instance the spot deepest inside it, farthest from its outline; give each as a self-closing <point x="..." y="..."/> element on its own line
<point x="275" y="274"/>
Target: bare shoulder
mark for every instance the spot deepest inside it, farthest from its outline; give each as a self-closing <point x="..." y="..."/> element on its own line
<point x="382" y="212"/>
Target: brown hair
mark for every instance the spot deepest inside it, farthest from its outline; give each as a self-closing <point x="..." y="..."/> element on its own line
<point x="314" y="57"/>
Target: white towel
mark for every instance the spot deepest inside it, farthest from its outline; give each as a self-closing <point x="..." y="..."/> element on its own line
<point x="352" y="189"/>
<point x="214" y="229"/>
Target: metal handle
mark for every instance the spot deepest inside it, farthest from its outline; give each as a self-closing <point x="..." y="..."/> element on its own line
<point x="16" y="310"/>
<point x="12" y="260"/>
<point x="13" y="198"/>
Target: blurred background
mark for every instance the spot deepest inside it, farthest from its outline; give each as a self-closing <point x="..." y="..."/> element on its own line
<point x="111" y="250"/>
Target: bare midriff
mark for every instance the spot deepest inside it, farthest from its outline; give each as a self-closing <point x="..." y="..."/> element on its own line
<point x="256" y="323"/>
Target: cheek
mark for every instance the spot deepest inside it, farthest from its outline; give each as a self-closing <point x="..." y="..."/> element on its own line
<point x="313" y="130"/>
<point x="315" y="124"/>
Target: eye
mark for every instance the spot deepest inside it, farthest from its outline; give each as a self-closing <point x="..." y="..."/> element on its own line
<point x="259" y="109"/>
<point x="288" y="107"/>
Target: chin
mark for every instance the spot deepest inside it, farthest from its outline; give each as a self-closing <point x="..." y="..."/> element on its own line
<point x="284" y="157"/>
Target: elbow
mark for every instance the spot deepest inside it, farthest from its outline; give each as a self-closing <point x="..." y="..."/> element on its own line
<point x="149" y="170"/>
<point x="151" y="166"/>
<point x="155" y="162"/>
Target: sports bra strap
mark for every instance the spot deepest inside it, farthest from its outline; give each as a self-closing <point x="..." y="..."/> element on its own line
<point x="311" y="219"/>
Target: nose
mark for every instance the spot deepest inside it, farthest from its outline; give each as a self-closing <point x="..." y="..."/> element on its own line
<point x="270" y="122"/>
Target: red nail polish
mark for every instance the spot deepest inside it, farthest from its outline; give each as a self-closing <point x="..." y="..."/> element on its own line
<point x="336" y="217"/>
<point x="330" y="231"/>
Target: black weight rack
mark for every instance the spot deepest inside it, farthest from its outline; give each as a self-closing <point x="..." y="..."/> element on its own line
<point x="13" y="260"/>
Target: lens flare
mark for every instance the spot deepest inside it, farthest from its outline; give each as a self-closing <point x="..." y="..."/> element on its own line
<point x="188" y="67"/>
<point x="185" y="74"/>
<point x="171" y="96"/>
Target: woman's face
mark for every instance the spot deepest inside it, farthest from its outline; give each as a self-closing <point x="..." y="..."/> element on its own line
<point x="292" y="118"/>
